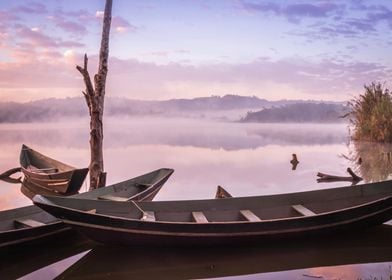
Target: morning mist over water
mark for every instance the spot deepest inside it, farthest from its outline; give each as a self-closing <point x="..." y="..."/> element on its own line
<point x="246" y="158"/>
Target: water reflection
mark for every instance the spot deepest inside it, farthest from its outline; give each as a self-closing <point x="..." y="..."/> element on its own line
<point x="120" y="133"/>
<point x="247" y="159"/>
<point x="243" y="157"/>
<point x="20" y="260"/>
<point x="372" y="160"/>
<point x="372" y="246"/>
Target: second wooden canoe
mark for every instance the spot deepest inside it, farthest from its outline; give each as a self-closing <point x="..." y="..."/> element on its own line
<point x="48" y="173"/>
<point x="31" y="223"/>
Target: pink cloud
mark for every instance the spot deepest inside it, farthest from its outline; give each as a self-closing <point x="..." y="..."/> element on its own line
<point x="158" y="53"/>
<point x="324" y="79"/>
<point x="70" y="26"/>
<point x="79" y="14"/>
<point x="39" y="39"/>
<point x="121" y="25"/>
<point x="30" y="8"/>
<point x="7" y="16"/>
<point x="69" y="44"/>
<point x="295" y="11"/>
<point x="183" y="51"/>
<point x="35" y="38"/>
<point x="73" y="22"/>
<point x="166" y="53"/>
<point x="286" y="78"/>
<point x="338" y="19"/>
<point x="38" y="74"/>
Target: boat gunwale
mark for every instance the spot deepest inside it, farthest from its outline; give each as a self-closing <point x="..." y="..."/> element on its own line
<point x="239" y="222"/>
<point x="223" y="234"/>
<point x="151" y="188"/>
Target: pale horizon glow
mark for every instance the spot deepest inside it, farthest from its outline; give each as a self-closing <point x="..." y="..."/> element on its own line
<point x="301" y="49"/>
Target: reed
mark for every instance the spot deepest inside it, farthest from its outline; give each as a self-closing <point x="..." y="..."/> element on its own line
<point x="371" y="114"/>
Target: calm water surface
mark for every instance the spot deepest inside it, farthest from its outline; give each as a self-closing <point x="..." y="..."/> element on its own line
<point x="247" y="159"/>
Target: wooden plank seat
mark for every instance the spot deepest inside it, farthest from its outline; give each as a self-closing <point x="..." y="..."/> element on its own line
<point x="250" y="216"/>
<point x="303" y="210"/>
<point x="27" y="223"/>
<point x="199" y="217"/>
<point x="58" y="184"/>
<point x="148" y="216"/>
<point x="42" y="170"/>
<point x="47" y="180"/>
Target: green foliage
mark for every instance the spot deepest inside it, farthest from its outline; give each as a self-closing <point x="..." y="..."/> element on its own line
<point x="371" y="114"/>
<point x="299" y="113"/>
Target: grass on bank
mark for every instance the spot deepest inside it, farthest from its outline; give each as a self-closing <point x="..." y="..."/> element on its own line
<point x="371" y="114"/>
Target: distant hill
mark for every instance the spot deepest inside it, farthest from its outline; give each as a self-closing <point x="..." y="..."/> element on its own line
<point x="299" y="112"/>
<point x="56" y="109"/>
<point x="42" y="110"/>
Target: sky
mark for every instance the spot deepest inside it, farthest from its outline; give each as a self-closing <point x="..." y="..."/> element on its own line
<point x="163" y="49"/>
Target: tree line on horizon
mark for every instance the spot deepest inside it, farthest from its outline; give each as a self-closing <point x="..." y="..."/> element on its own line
<point x="299" y="113"/>
<point x="59" y="109"/>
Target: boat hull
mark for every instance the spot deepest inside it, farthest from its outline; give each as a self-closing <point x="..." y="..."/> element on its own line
<point x="128" y="228"/>
<point x="136" y="237"/>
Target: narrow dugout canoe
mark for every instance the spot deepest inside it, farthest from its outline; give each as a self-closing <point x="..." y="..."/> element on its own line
<point x="31" y="223"/>
<point x="48" y="173"/>
<point x="229" y="220"/>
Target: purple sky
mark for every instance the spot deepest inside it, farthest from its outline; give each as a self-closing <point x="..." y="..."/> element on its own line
<point x="186" y="48"/>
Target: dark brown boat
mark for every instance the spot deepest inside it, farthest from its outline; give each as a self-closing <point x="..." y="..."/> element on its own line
<point x="31" y="223"/>
<point x="228" y="220"/>
<point x="48" y="173"/>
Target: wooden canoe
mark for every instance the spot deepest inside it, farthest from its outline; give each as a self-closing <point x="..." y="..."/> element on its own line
<point x="31" y="223"/>
<point x="48" y="173"/>
<point x="229" y="220"/>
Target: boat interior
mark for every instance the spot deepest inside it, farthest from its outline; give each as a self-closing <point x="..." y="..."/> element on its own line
<point x="251" y="209"/>
<point x="125" y="190"/>
<point x="39" y="163"/>
<point x="24" y="217"/>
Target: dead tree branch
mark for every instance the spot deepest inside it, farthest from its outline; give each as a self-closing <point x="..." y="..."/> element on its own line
<point x="325" y="178"/>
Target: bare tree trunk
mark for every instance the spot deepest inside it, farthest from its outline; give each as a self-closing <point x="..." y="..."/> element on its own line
<point x="95" y="102"/>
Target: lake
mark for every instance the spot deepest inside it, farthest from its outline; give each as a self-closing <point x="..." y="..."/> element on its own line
<point x="245" y="158"/>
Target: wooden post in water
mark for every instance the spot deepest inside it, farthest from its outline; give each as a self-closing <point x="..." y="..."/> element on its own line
<point x="95" y="101"/>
